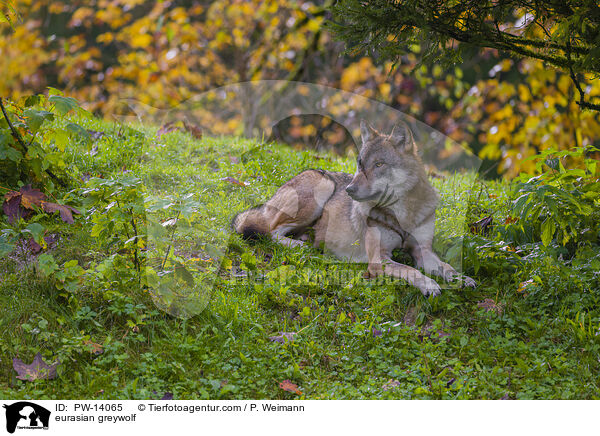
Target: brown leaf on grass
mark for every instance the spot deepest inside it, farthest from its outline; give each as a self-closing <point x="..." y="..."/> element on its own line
<point x="12" y="208"/>
<point x="195" y="131"/>
<point x="11" y="194"/>
<point x="50" y="242"/>
<point x="94" y="134"/>
<point x="483" y="226"/>
<point x="490" y="306"/>
<point x="20" y="204"/>
<point x="283" y="337"/>
<point x="37" y="370"/>
<point x="94" y="347"/>
<point x="288" y="386"/>
<point x="166" y="128"/>
<point x="233" y="181"/>
<point x="31" y="198"/>
<point x="410" y="317"/>
<point x="391" y="384"/>
<point x="66" y="212"/>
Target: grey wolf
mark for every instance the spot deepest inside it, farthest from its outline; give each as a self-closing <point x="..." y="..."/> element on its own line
<point x="389" y="203"/>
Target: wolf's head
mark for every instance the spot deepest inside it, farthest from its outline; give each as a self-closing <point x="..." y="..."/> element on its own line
<point x="387" y="166"/>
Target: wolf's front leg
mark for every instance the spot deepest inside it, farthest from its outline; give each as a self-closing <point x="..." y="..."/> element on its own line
<point x="380" y="263"/>
<point x="431" y="264"/>
<point x="413" y="276"/>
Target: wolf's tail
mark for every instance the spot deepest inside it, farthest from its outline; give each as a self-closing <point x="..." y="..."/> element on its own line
<point x="251" y="223"/>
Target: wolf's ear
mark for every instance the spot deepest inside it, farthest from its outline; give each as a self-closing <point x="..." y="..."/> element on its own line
<point x="402" y="138"/>
<point x="366" y="131"/>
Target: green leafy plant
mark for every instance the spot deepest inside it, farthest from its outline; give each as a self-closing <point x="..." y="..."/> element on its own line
<point x="560" y="203"/>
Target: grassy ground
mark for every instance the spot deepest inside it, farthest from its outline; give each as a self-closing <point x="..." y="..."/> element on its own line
<point x="534" y="338"/>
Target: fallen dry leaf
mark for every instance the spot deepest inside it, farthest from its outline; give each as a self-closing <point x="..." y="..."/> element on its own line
<point x="391" y="384"/>
<point x="490" y="306"/>
<point x="94" y="134"/>
<point x="50" y="243"/>
<point x="288" y="386"/>
<point x="31" y="198"/>
<point x="94" y="347"/>
<point x="523" y="285"/>
<point x="66" y="212"/>
<point x="283" y="337"/>
<point x="232" y="180"/>
<point x="166" y="128"/>
<point x="12" y="208"/>
<point x="194" y="130"/>
<point x="483" y="226"/>
<point x="411" y="316"/>
<point x="37" y="370"/>
<point x="20" y="204"/>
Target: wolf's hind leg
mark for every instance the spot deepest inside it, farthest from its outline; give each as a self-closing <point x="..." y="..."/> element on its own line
<point x="298" y="204"/>
<point x="279" y="236"/>
<point x="295" y="206"/>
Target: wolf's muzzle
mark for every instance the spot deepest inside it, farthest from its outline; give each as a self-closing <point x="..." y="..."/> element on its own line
<point x="351" y="190"/>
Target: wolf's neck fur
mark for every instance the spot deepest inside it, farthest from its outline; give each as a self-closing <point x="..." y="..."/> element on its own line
<point x="414" y="205"/>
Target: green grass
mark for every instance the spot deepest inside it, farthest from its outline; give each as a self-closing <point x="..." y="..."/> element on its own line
<point x="354" y="335"/>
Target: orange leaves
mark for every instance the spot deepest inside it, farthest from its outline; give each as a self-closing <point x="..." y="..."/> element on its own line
<point x="288" y="386"/>
<point x="93" y="347"/>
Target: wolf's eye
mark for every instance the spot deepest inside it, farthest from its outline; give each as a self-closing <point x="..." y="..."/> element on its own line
<point x="379" y="164"/>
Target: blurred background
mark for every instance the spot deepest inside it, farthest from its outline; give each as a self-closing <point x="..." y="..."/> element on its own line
<point x="163" y="53"/>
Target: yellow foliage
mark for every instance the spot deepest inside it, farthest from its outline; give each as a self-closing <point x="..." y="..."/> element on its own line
<point x="162" y="53"/>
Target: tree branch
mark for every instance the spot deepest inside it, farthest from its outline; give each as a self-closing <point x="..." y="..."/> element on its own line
<point x="19" y="139"/>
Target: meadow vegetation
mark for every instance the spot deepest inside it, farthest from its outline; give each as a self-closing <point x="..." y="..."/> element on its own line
<point x="103" y="294"/>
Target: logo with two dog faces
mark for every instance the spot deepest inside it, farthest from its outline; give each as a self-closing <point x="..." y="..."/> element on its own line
<point x="26" y="415"/>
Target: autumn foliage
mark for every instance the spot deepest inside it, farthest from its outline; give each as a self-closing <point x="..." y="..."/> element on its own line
<point x="163" y="53"/>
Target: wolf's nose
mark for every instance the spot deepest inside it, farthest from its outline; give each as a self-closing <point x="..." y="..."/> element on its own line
<point x="351" y="189"/>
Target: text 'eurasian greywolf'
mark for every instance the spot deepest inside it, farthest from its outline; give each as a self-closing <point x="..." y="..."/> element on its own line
<point x="388" y="204"/>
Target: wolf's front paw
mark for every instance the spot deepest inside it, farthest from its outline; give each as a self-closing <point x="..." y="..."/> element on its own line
<point x="468" y="281"/>
<point x="430" y="287"/>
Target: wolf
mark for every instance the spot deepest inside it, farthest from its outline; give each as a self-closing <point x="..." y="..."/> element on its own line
<point x="388" y="203"/>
